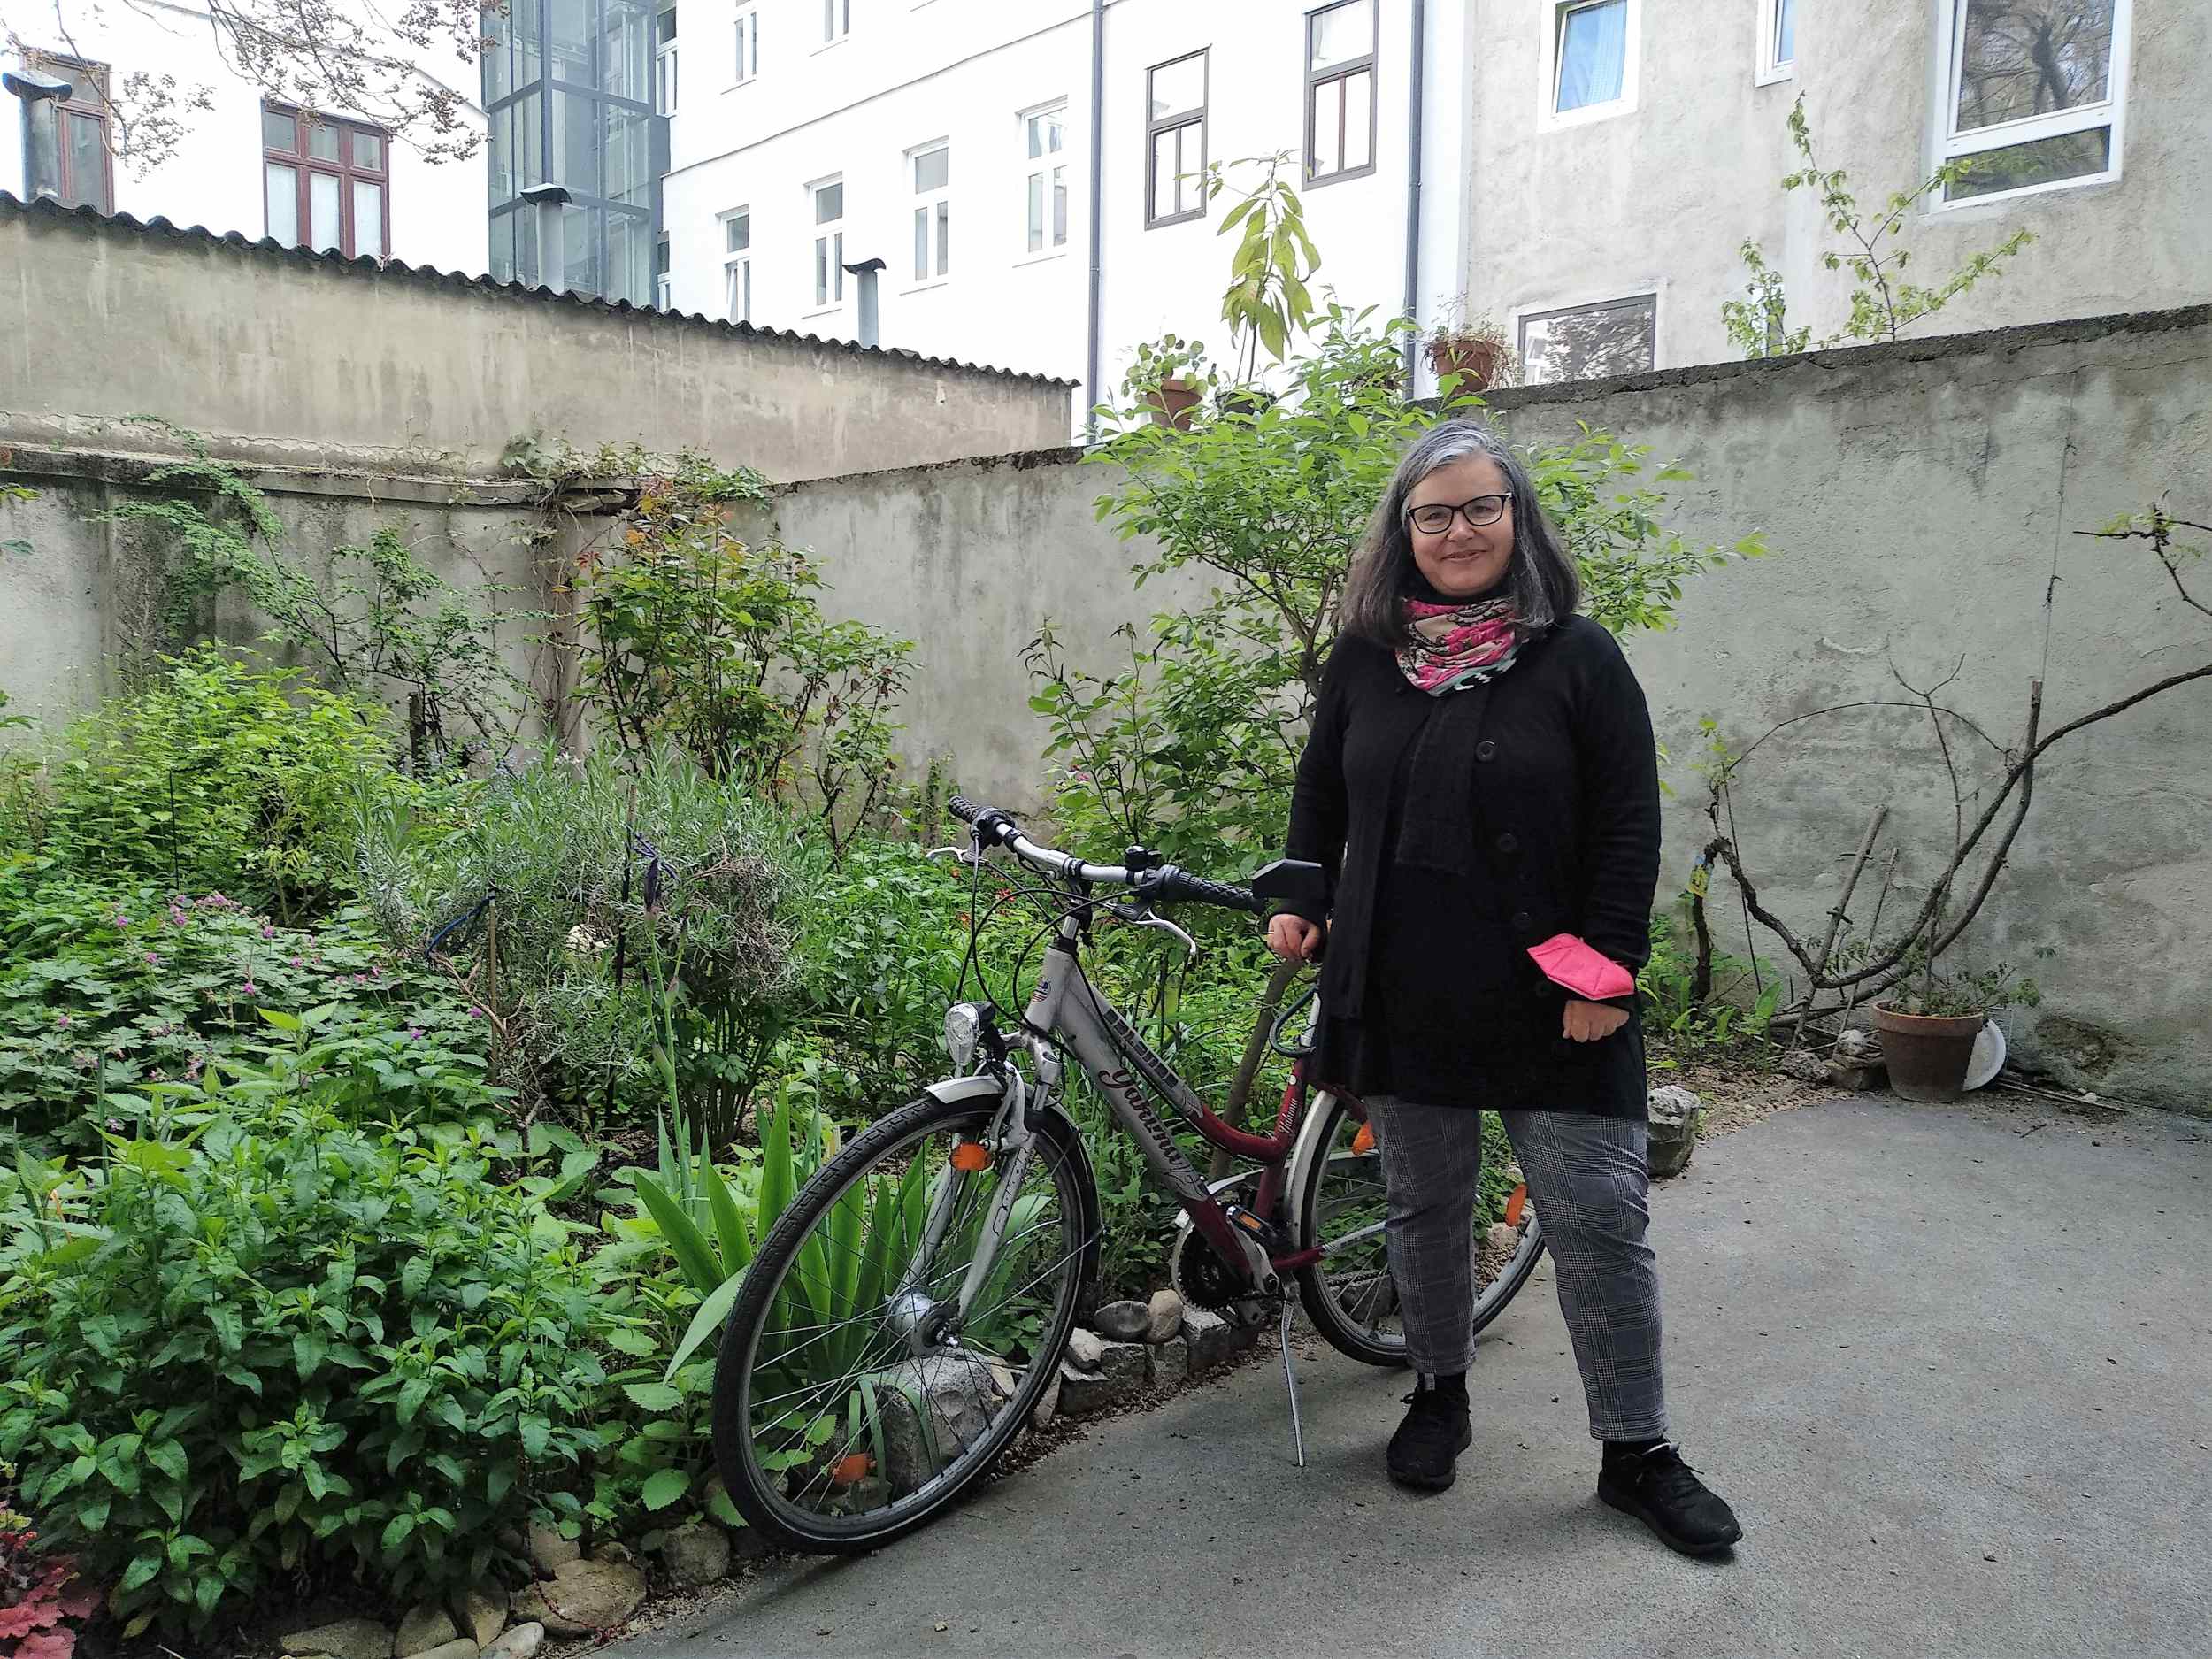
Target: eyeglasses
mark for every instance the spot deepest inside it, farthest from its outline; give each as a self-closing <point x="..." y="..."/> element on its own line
<point x="1434" y="517"/>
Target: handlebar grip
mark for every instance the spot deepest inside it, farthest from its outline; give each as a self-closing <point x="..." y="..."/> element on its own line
<point x="1181" y="885"/>
<point x="963" y="808"/>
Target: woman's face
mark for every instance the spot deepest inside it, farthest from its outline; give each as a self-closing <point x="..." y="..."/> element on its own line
<point x="1462" y="559"/>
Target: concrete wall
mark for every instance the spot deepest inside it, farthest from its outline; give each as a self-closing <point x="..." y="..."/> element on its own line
<point x="213" y="176"/>
<point x="1658" y="199"/>
<point x="347" y="364"/>
<point x="1919" y="499"/>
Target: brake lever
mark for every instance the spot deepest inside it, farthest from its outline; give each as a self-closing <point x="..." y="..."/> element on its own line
<point x="965" y="854"/>
<point x="1147" y="919"/>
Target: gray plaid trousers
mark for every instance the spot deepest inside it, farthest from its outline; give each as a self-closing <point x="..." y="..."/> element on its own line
<point x="1589" y="1180"/>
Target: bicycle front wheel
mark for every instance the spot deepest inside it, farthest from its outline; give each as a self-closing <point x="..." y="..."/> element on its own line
<point x="1348" y="1294"/>
<point x="863" y="1383"/>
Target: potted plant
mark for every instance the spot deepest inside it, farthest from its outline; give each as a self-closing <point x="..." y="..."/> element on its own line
<point x="1929" y="1023"/>
<point x="1470" y="353"/>
<point x="1167" y="379"/>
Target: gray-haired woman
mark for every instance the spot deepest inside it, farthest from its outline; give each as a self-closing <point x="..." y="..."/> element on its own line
<point x="1482" y="785"/>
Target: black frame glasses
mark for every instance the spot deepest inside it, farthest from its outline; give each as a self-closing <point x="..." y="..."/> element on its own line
<point x="1469" y="510"/>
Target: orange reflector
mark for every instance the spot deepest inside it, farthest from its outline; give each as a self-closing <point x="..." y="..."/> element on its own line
<point x="1364" y="1140"/>
<point x="971" y="1156"/>
<point x="1515" y="1205"/>
<point x="850" y="1471"/>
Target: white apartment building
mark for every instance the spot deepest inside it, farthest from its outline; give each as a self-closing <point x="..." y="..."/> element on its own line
<point x="324" y="180"/>
<point x="1587" y="168"/>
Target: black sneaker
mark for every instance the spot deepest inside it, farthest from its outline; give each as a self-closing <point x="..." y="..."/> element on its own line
<point x="1428" y="1443"/>
<point x="1663" y="1493"/>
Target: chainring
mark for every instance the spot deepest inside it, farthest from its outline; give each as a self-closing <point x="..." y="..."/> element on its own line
<point x="1202" y="1278"/>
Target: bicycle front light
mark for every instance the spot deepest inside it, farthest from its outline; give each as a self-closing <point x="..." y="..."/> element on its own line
<point x="963" y="1029"/>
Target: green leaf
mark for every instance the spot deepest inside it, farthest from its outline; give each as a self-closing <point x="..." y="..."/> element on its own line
<point x="709" y="1319"/>
<point x="397" y="1531"/>
<point x="140" y="1573"/>
<point x="664" y="1487"/>
<point x="627" y="1338"/>
<point x="309" y="1350"/>
<point x="653" y="1396"/>
<point x="281" y="1020"/>
<point x="169" y="1458"/>
<point x="692" y="1251"/>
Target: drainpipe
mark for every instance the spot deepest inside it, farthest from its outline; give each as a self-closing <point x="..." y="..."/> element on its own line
<point x="865" y="273"/>
<point x="1098" y="173"/>
<point x="548" y="200"/>
<point x="1414" y="80"/>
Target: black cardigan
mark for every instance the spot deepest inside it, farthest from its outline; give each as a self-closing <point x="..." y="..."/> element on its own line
<point x="1427" y="989"/>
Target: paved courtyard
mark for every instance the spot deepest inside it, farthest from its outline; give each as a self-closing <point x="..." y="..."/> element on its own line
<point x="1952" y="1365"/>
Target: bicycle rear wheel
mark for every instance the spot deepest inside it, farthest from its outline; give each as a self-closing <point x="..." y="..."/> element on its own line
<point x="1348" y="1294"/>
<point x="852" y="1401"/>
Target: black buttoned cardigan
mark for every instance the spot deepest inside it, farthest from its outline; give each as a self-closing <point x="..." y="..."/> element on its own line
<point x="1457" y="830"/>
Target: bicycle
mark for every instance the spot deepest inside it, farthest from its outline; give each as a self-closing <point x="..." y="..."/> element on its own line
<point x="900" y="1323"/>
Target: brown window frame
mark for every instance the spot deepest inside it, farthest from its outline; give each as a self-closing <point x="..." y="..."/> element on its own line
<point x="345" y="170"/>
<point x="1154" y="128"/>
<point x="84" y="74"/>
<point x="1335" y="76"/>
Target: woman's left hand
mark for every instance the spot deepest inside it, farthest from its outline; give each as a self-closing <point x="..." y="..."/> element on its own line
<point x="1590" y="1022"/>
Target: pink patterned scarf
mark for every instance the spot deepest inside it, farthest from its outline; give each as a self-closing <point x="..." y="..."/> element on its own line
<point x="1453" y="647"/>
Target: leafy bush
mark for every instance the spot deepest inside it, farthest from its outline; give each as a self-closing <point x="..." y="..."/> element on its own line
<point x="258" y="1343"/>
<point x="105" y="988"/>
<point x="215" y="776"/>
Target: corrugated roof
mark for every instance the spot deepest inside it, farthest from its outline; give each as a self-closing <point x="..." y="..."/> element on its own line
<point x="429" y="276"/>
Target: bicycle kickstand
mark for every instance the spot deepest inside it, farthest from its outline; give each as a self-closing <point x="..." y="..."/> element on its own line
<point x="1290" y="1382"/>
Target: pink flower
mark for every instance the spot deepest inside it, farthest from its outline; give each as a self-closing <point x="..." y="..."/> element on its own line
<point x="249" y="988"/>
<point x="298" y="962"/>
<point x="152" y="961"/>
<point x="267" y="932"/>
<point x="414" y="1033"/>
<point x="475" y="1012"/>
<point x="62" y="1020"/>
<point x="120" y="921"/>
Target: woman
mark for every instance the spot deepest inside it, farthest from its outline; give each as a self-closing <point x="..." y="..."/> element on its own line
<point x="1481" y="785"/>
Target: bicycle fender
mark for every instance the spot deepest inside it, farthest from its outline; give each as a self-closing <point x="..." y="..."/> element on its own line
<point x="1309" y="1147"/>
<point x="959" y="1088"/>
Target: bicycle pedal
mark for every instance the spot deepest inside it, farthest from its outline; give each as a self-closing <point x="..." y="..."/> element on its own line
<point x="1269" y="1237"/>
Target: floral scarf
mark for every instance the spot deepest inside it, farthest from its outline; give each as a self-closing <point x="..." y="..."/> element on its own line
<point x="1453" y="647"/>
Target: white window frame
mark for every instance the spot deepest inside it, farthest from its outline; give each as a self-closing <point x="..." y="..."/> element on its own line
<point x="737" y="267"/>
<point x="1520" y="316"/>
<point x="936" y="228"/>
<point x="1948" y="144"/>
<point x="837" y="23"/>
<point x="666" y="64"/>
<point x="1771" y="67"/>
<point x="745" y="46"/>
<point x="1041" y="170"/>
<point x="1553" y="20"/>
<point x="828" y="247"/>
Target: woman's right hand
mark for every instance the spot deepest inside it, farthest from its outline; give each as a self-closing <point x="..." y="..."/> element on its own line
<point x="1294" y="939"/>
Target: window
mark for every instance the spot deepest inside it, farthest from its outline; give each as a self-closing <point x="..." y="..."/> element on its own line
<point x="1777" y="41"/>
<point x="932" y="211"/>
<point x="324" y="182"/>
<point x="1046" y="137"/>
<point x="1341" y="91"/>
<point x="1589" y="60"/>
<point x="662" y="296"/>
<point x="664" y="64"/>
<point x="2035" y="94"/>
<point x="1587" y="343"/>
<point x="1175" y="141"/>
<point x="837" y="21"/>
<point x="67" y="153"/>
<point x="737" y="264"/>
<point x="748" y="58"/>
<point x="829" y="243"/>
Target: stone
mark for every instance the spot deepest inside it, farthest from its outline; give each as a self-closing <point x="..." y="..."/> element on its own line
<point x="583" y="1598"/>
<point x="425" y="1627"/>
<point x="549" y="1552"/>
<point x="1086" y="1348"/>
<point x="695" y="1556"/>
<point x="1047" y="1406"/>
<point x="1805" y="1066"/>
<point x="459" y="1647"/>
<point x="481" y="1611"/>
<point x="1127" y="1366"/>
<point x="519" y="1643"/>
<point x="1502" y="1238"/>
<point x="962" y="1397"/>
<point x="1675" y="1114"/>
<point x="1123" y="1321"/>
<point x="1083" y="1394"/>
<point x="1166" y="1308"/>
<point x="1860" y="1077"/>
<point x="347" y="1638"/>
<point x="1171" y="1363"/>
<point x="1209" y="1338"/>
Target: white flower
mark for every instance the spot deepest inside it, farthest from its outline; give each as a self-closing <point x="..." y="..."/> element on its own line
<point x="583" y="940"/>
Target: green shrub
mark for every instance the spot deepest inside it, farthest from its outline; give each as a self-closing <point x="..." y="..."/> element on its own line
<point x="215" y="776"/>
<point x="260" y="1344"/>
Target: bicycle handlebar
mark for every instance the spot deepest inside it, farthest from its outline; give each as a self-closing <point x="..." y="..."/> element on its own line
<point x="1164" y="884"/>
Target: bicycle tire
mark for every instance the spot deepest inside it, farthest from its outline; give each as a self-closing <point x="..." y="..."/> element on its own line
<point x="750" y="1485"/>
<point x="1340" y="1329"/>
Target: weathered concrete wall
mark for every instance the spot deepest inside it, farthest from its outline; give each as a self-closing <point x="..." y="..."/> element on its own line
<point x="348" y="365"/>
<point x="1919" y="499"/>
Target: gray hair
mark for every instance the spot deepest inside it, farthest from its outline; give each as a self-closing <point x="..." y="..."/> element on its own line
<point x="1542" y="579"/>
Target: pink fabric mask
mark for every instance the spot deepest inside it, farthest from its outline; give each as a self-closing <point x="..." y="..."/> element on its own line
<point x="1590" y="974"/>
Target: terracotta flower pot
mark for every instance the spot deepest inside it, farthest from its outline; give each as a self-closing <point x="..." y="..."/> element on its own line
<point x="1927" y="1053"/>
<point x="1172" y="404"/>
<point x="1475" y="363"/>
